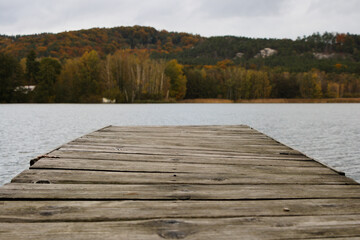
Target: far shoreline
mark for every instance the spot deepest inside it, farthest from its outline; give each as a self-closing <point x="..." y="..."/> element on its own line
<point x="218" y="100"/>
<point x="272" y="100"/>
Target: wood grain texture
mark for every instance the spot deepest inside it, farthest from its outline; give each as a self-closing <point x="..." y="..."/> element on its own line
<point x="179" y="182"/>
<point x="252" y="159"/>
<point x="299" y="227"/>
<point x="176" y="192"/>
<point x="119" y="177"/>
<point x="139" y="166"/>
<point x="86" y="211"/>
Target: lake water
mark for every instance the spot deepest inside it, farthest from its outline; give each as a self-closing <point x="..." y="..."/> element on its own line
<point x="329" y="133"/>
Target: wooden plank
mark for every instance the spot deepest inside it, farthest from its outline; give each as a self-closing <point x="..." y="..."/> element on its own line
<point x="175" y="167"/>
<point x="176" y="192"/>
<point x="281" y="160"/>
<point x="239" y="127"/>
<point x="183" y="135"/>
<point x="160" y="135"/>
<point x="182" y="128"/>
<point x="86" y="211"/>
<point x="180" y="145"/>
<point x="178" y="140"/>
<point x="297" y="227"/>
<point x="175" y="152"/>
<point x="184" y="131"/>
<point x="234" y="147"/>
<point x="100" y="177"/>
<point x="180" y="134"/>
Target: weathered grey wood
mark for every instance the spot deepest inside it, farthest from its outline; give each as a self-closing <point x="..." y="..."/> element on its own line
<point x="181" y="145"/>
<point x="182" y="135"/>
<point x="174" y="167"/>
<point x="100" y="177"/>
<point x="223" y="130"/>
<point x="85" y="211"/>
<point x="282" y="160"/>
<point x="178" y="182"/>
<point x="301" y="227"/>
<point x="176" y="152"/>
<point x="174" y="192"/>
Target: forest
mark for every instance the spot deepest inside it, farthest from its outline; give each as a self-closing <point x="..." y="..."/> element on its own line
<point x="142" y="64"/>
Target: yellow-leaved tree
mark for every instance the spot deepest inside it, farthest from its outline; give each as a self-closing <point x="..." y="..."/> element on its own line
<point x="174" y="71"/>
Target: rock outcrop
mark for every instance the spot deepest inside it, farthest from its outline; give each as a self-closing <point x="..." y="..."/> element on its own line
<point x="266" y="52"/>
<point x="324" y="55"/>
<point x="239" y="55"/>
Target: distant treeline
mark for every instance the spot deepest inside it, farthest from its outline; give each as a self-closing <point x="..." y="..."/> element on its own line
<point x="123" y="76"/>
<point x="234" y="82"/>
<point x="141" y="64"/>
<point x="127" y="76"/>
<point x="329" y="52"/>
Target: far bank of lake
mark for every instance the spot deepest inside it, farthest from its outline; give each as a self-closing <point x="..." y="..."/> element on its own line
<point x="273" y="100"/>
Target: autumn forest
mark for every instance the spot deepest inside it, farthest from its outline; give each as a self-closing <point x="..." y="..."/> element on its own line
<point x="142" y="64"/>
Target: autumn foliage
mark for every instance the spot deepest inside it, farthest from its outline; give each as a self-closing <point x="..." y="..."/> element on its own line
<point x="105" y="41"/>
<point x="142" y="64"/>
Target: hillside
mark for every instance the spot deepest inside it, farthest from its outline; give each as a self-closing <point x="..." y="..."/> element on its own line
<point x="141" y="64"/>
<point x="320" y="51"/>
<point x="104" y="40"/>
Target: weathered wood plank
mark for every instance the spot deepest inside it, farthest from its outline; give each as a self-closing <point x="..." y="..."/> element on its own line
<point x="180" y="134"/>
<point x="184" y="134"/>
<point x="99" y="177"/>
<point x="85" y="211"/>
<point x="182" y="129"/>
<point x="179" y="145"/>
<point x="282" y="160"/>
<point x="177" y="152"/>
<point x="178" y="140"/>
<point x="175" y="167"/>
<point x="174" y="192"/>
<point x="174" y="127"/>
<point x="300" y="227"/>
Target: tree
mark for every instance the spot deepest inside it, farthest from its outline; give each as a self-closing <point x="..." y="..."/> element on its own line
<point x="89" y="84"/>
<point x="234" y="77"/>
<point x="32" y="68"/>
<point x="310" y="85"/>
<point x="111" y="89"/>
<point x="49" y="71"/>
<point x="136" y="76"/>
<point x="67" y="89"/>
<point x="174" y="71"/>
<point x="284" y="85"/>
<point x="10" y="77"/>
<point x="261" y="85"/>
<point x="194" y="85"/>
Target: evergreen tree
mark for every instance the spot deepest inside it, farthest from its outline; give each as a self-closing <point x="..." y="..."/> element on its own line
<point x="49" y="71"/>
<point x="10" y="77"/>
<point x="32" y="68"/>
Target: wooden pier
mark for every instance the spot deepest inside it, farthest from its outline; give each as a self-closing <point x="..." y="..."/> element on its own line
<point x="183" y="182"/>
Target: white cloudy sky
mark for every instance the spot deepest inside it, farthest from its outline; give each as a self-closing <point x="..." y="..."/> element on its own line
<point x="250" y="18"/>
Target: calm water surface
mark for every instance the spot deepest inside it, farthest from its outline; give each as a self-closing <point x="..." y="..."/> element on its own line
<point x="330" y="133"/>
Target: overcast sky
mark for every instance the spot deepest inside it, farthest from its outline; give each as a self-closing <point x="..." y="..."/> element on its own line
<point x="250" y="18"/>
